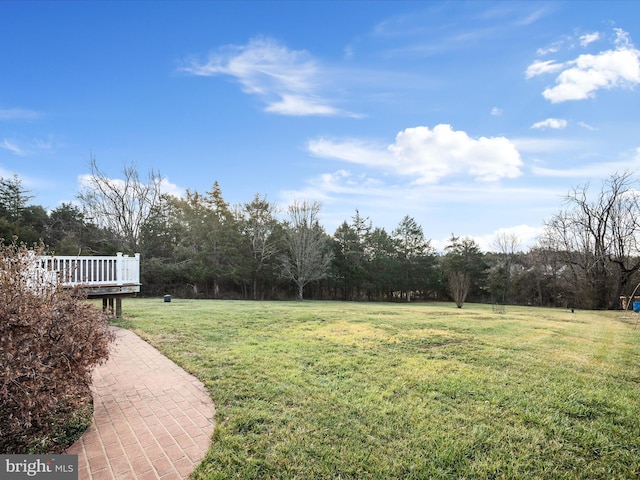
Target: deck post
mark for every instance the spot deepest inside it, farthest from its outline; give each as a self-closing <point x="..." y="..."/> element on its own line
<point x="119" y="269"/>
<point x="136" y="272"/>
<point x="107" y="305"/>
<point x="118" y="307"/>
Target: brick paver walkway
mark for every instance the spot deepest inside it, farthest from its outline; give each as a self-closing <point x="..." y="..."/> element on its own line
<point x="152" y="420"/>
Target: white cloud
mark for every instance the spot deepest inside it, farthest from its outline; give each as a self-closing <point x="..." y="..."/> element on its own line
<point x="496" y="112"/>
<point x="563" y="42"/>
<point x="622" y="38"/>
<point x="540" y="67"/>
<point x="349" y="52"/>
<point x="169" y="188"/>
<point x="534" y="16"/>
<point x="587" y="126"/>
<point x="43" y="144"/>
<point x="298" y="105"/>
<point x="584" y="171"/>
<point x="593" y="170"/>
<point x="590" y="73"/>
<point x="13" y="148"/>
<point x="428" y="155"/>
<point x="581" y="78"/>
<point x="555" y="123"/>
<point x="85" y="180"/>
<point x="546" y="51"/>
<point x="547" y="145"/>
<point x="287" y="80"/>
<point x="526" y="236"/>
<point x="341" y="183"/>
<point x="353" y="151"/>
<point x="18" y="114"/>
<point x="23" y="148"/>
<point x="588" y="38"/>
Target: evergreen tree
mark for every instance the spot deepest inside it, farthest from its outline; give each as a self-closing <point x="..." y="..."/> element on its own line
<point x="416" y="258"/>
<point x="350" y="258"/>
<point x="383" y="265"/>
<point x="13" y="198"/>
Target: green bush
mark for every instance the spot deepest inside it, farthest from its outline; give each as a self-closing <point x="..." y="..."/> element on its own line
<point x="50" y="340"/>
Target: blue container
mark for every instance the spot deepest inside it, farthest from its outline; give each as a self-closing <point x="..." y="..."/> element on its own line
<point x="636" y="307"/>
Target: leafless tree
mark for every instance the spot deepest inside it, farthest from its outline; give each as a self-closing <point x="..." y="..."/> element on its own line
<point x="121" y="205"/>
<point x="459" y="284"/>
<point x="506" y="245"/>
<point x="307" y="257"/>
<point x="599" y="238"/>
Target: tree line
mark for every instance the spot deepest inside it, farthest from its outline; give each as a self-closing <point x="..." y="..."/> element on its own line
<point x="200" y="246"/>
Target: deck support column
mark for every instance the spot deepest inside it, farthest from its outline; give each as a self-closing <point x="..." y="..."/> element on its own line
<point x="108" y="303"/>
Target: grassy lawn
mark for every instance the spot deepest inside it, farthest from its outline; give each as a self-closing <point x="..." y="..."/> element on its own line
<point x="329" y="390"/>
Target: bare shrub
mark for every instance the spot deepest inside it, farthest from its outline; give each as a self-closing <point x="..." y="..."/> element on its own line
<point x="50" y="340"/>
<point x="459" y="284"/>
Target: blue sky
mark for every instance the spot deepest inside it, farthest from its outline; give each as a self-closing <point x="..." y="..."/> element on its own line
<point x="472" y="117"/>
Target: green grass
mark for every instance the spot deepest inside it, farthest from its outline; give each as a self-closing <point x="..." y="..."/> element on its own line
<point x="329" y="390"/>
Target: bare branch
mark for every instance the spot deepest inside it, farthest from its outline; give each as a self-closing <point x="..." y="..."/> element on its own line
<point x="120" y="205"/>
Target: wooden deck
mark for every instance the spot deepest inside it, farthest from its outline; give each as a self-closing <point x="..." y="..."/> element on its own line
<point x="107" y="277"/>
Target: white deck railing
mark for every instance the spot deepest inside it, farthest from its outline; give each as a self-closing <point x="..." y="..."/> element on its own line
<point x="94" y="271"/>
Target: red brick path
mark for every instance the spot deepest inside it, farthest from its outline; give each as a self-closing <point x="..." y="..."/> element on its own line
<point x="152" y="420"/>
